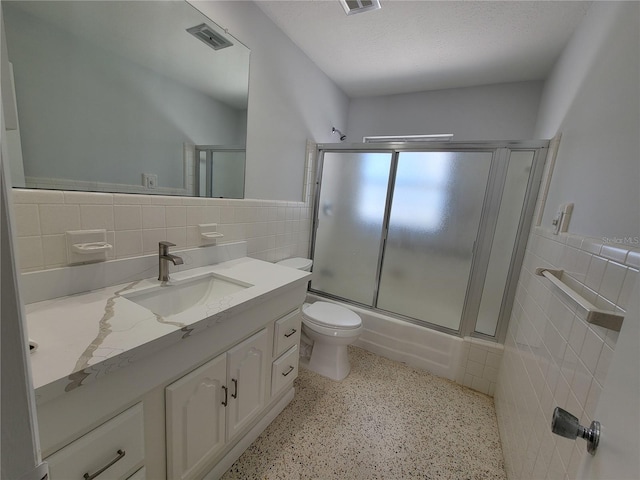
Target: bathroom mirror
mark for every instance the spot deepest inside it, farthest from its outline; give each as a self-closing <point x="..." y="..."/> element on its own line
<point x="117" y="96"/>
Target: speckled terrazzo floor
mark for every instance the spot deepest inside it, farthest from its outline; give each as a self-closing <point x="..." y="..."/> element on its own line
<point x="384" y="421"/>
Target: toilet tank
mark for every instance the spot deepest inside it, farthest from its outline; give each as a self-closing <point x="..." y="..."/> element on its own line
<point x="297" y="263"/>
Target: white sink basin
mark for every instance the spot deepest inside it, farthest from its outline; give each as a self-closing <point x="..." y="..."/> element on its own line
<point x="176" y="297"/>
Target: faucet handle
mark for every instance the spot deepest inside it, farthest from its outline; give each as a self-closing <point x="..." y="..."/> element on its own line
<point x="163" y="247"/>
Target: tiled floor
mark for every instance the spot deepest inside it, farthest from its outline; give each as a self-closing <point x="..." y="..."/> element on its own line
<point x="384" y="421"/>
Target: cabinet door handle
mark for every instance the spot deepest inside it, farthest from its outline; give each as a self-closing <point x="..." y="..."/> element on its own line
<point x="235" y="388"/>
<point x="91" y="476"/>
<point x="291" y="369"/>
<point x="293" y="330"/>
<point x="224" y="402"/>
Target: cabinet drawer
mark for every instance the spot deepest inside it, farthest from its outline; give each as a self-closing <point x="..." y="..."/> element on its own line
<point x="139" y="475"/>
<point x="118" y="442"/>
<point x="284" y="370"/>
<point x="287" y="332"/>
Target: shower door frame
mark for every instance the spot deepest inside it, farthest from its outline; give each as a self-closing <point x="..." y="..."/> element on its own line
<point x="482" y="246"/>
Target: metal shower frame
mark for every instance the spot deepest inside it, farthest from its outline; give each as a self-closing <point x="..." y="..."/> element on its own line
<point x="484" y="240"/>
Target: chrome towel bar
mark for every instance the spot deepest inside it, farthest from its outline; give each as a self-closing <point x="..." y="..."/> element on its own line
<point x="595" y="315"/>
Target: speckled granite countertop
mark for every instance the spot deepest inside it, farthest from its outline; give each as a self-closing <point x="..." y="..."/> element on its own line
<point x="85" y="336"/>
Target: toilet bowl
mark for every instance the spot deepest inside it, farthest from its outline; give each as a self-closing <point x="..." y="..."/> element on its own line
<point x="330" y="328"/>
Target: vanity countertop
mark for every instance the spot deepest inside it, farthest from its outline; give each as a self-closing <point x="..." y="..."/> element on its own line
<point x="85" y="336"/>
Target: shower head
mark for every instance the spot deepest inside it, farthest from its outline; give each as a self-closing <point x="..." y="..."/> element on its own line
<point x="343" y="137"/>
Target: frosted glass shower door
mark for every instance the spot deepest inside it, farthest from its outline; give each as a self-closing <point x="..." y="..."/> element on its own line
<point x="504" y="240"/>
<point x="433" y="224"/>
<point x="350" y="217"/>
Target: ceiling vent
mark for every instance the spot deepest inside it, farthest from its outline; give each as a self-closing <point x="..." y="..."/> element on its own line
<point x="351" y="7"/>
<point x="209" y="36"/>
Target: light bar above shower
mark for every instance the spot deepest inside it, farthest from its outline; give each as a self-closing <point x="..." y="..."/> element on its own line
<point x="443" y="137"/>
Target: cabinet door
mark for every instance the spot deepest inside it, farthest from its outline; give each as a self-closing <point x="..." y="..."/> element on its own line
<point x="195" y="418"/>
<point x="247" y="364"/>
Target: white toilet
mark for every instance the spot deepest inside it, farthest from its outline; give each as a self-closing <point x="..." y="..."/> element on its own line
<point x="331" y="328"/>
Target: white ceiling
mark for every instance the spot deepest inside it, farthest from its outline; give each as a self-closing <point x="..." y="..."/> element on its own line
<point x="410" y="46"/>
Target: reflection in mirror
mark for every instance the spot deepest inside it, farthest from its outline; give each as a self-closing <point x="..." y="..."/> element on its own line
<point x="219" y="172"/>
<point x="115" y="96"/>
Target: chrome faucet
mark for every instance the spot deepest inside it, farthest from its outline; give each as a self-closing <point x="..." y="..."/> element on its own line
<point x="164" y="257"/>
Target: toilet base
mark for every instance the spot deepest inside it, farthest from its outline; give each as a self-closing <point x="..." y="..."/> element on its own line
<point x="331" y="361"/>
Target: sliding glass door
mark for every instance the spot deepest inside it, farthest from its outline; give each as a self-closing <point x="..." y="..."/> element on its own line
<point x="350" y="220"/>
<point x="433" y="225"/>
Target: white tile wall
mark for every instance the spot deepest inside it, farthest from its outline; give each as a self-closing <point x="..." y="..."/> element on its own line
<point x="273" y="229"/>
<point x="479" y="365"/>
<point x="552" y="357"/>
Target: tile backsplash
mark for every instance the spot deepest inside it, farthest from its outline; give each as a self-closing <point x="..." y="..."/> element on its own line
<point x="136" y="223"/>
<point x="552" y="356"/>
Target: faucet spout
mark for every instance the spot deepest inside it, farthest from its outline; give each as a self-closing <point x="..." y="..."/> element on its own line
<point x="164" y="257"/>
<point x="176" y="260"/>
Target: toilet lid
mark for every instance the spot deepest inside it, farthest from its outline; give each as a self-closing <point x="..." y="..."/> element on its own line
<point x="297" y="262"/>
<point x="330" y="315"/>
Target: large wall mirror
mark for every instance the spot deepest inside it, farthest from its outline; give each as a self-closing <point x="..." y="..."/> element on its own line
<point x="128" y="96"/>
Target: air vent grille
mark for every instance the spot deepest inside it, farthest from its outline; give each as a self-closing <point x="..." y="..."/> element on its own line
<point x="352" y="7"/>
<point x="209" y="36"/>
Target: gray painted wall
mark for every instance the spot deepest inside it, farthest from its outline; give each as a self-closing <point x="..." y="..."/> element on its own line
<point x="592" y="98"/>
<point x="491" y="112"/>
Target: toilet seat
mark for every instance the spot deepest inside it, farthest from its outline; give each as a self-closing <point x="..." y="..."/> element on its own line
<point x="328" y="315"/>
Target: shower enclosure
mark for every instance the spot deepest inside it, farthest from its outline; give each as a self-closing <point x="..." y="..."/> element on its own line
<point x="432" y="234"/>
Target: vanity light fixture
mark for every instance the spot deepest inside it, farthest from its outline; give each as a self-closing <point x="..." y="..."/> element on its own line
<point x="443" y="137"/>
<point x="208" y="35"/>
<point x="352" y="7"/>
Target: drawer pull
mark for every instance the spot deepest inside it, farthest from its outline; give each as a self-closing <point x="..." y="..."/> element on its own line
<point x="88" y="476"/>
<point x="235" y="385"/>
<point x="293" y="330"/>
<point x="224" y="402"/>
<point x="291" y="369"/>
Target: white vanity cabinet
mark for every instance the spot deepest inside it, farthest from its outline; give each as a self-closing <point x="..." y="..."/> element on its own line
<point x="179" y="379"/>
<point x="211" y="405"/>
